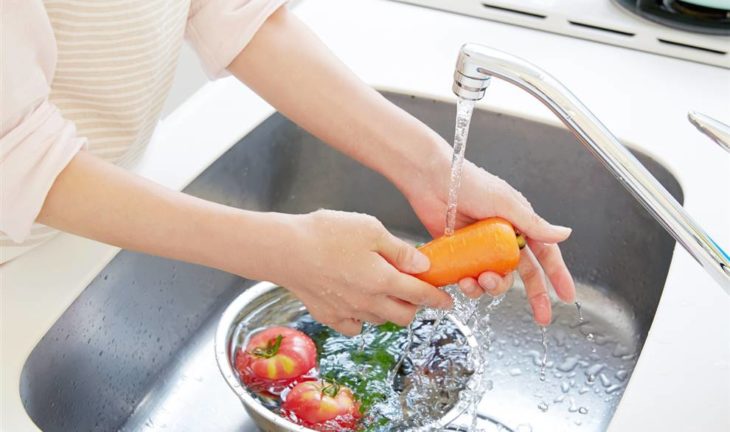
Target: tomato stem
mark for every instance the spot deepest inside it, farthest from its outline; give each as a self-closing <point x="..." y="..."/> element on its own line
<point x="330" y="389"/>
<point x="271" y="348"/>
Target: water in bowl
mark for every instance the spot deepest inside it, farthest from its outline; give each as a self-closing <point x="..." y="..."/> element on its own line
<point x="443" y="365"/>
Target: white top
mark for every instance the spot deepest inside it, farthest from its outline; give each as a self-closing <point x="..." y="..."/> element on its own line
<point x="84" y="73"/>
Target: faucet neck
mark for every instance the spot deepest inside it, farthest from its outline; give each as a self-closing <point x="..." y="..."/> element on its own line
<point x="474" y="67"/>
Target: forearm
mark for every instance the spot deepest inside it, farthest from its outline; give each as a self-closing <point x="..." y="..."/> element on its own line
<point x="98" y="200"/>
<point x="292" y="69"/>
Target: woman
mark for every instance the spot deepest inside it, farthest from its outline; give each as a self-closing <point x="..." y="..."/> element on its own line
<point x="82" y="87"/>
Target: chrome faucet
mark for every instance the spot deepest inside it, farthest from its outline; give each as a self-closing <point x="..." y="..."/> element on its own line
<point x="714" y="129"/>
<point x="475" y="67"/>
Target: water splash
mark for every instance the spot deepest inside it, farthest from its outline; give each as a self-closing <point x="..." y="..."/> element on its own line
<point x="479" y="322"/>
<point x="464" y="308"/>
<point x="406" y="351"/>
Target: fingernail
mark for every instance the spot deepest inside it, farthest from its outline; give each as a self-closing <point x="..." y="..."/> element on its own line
<point x="489" y="283"/>
<point x="420" y="262"/>
<point x="563" y="230"/>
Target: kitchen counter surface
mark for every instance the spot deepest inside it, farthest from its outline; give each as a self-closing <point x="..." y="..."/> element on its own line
<point x="682" y="379"/>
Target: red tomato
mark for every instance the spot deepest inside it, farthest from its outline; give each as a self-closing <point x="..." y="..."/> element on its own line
<point x="322" y="405"/>
<point x="274" y="358"/>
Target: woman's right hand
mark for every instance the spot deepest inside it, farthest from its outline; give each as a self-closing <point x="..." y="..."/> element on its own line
<point x="347" y="268"/>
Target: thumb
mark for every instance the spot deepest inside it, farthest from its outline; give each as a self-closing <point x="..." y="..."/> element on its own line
<point x="402" y="256"/>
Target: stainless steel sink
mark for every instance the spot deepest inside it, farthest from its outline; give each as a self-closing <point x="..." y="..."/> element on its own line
<point x="135" y="350"/>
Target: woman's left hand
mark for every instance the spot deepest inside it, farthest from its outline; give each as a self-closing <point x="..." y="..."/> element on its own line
<point x="484" y="195"/>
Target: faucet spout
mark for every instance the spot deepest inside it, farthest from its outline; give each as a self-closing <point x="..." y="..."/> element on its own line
<point x="475" y="66"/>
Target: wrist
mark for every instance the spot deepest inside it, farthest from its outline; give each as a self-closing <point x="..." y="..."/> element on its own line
<point x="254" y="244"/>
<point x="427" y="167"/>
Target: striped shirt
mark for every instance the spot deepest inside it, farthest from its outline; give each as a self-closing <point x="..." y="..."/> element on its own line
<point x="95" y="74"/>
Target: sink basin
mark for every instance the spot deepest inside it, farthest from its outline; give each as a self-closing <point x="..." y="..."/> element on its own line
<point x="135" y="350"/>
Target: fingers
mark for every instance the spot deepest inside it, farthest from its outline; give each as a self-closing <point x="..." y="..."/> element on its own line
<point x="370" y="318"/>
<point x="471" y="288"/>
<point x="488" y="282"/>
<point x="417" y="292"/>
<point x="535" y="287"/>
<point x="342" y="324"/>
<point x="514" y="207"/>
<point x="495" y="285"/>
<point x="396" y="311"/>
<point x="348" y="327"/>
<point x="401" y="255"/>
<point x="554" y="267"/>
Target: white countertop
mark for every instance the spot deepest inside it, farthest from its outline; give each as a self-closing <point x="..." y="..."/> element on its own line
<point x="682" y="379"/>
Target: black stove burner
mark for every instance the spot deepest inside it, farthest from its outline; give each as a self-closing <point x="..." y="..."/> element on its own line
<point x="681" y="14"/>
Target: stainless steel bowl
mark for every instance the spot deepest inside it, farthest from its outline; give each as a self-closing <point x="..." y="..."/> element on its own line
<point x="266" y="304"/>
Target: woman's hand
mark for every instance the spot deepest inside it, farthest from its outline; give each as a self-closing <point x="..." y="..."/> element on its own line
<point x="337" y="107"/>
<point x="347" y="268"/>
<point x="483" y="195"/>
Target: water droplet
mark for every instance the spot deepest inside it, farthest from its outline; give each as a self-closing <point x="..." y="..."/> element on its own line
<point x="543" y="361"/>
<point x="604" y="379"/>
<point x="583" y="410"/>
<point x="543" y="406"/>
<point x="573" y="407"/>
<point x="568" y="364"/>
<point x="515" y="371"/>
<point x="613" y="388"/>
<point x="621" y="351"/>
<point x="565" y="387"/>
<point x="592" y="371"/>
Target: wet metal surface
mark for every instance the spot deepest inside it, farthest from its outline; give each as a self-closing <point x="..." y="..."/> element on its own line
<point x="134" y="351"/>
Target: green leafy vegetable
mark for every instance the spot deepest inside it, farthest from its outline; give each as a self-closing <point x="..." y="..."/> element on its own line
<point x="389" y="327"/>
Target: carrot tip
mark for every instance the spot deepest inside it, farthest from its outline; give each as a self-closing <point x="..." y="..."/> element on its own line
<point x="521" y="242"/>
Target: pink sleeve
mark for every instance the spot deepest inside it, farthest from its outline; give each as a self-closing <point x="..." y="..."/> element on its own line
<point x="219" y="29"/>
<point x="36" y="142"/>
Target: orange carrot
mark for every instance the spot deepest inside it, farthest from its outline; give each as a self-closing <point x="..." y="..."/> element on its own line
<point x="488" y="245"/>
